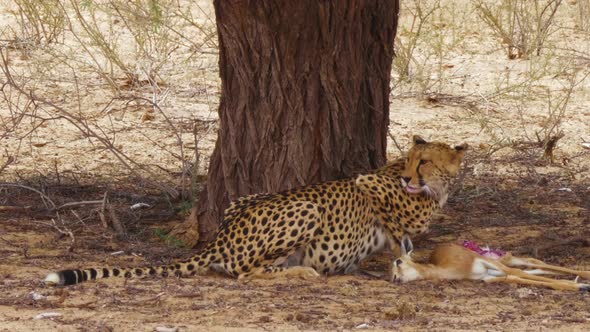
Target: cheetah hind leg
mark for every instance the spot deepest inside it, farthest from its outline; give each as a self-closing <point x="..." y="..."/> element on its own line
<point x="272" y="272"/>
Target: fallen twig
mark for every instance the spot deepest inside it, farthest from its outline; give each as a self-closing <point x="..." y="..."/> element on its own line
<point x="117" y="225"/>
<point x="72" y="204"/>
<point x="44" y="197"/>
<point x="102" y="211"/>
<point x="7" y="163"/>
<point x="64" y="231"/>
<point x="395" y="142"/>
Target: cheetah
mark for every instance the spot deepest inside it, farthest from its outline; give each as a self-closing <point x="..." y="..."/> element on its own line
<point x="325" y="228"/>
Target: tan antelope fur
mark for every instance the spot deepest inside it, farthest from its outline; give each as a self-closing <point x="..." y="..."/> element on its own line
<point x="454" y="262"/>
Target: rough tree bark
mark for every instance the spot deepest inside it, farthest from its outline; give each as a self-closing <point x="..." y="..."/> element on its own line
<point x="305" y="96"/>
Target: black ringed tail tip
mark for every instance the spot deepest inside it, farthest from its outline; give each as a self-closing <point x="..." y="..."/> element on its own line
<point x="70" y="277"/>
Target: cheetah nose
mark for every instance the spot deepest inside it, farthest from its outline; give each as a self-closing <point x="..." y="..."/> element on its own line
<point x="406" y="179"/>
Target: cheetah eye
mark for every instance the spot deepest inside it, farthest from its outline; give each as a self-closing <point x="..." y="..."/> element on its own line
<point x="422" y="162"/>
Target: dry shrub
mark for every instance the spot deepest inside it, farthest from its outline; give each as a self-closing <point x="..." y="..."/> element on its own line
<point x="430" y="33"/>
<point x="39" y="22"/>
<point x="523" y="26"/>
<point x="116" y="56"/>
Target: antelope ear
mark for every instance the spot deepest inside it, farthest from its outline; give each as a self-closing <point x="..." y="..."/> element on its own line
<point x="418" y="140"/>
<point x="406" y="246"/>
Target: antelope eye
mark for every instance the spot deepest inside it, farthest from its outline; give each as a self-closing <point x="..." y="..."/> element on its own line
<point x="398" y="262"/>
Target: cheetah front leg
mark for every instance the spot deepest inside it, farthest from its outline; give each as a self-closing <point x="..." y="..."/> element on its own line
<point x="394" y="232"/>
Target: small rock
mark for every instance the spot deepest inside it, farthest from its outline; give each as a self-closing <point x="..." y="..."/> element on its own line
<point x="36" y="296"/>
<point x="166" y="329"/>
<point x="140" y="206"/>
<point x="524" y="292"/>
<point x="47" y="315"/>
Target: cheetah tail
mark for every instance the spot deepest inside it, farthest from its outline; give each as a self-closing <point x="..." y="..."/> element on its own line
<point x="187" y="267"/>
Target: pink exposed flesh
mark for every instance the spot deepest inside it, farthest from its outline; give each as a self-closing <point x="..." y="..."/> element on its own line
<point x="486" y="252"/>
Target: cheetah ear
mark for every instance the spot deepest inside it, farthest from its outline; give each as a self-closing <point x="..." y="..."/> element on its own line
<point x="460" y="152"/>
<point x="406" y="246"/>
<point x="461" y="147"/>
<point x="418" y="140"/>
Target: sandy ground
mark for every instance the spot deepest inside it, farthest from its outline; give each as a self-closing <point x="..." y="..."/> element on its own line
<point x="508" y="197"/>
<point x="528" y="222"/>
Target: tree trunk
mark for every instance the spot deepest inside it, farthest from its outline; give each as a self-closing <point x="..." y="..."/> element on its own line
<point x="305" y="96"/>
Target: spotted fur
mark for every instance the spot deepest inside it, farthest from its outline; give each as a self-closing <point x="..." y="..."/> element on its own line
<point x="325" y="228"/>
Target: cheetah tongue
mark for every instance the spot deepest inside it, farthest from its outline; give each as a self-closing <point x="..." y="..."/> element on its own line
<point x="413" y="190"/>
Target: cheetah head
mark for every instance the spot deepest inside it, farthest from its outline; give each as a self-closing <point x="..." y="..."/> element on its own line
<point x="430" y="167"/>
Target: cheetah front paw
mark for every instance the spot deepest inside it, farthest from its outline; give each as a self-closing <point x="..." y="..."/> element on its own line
<point x="306" y="272"/>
